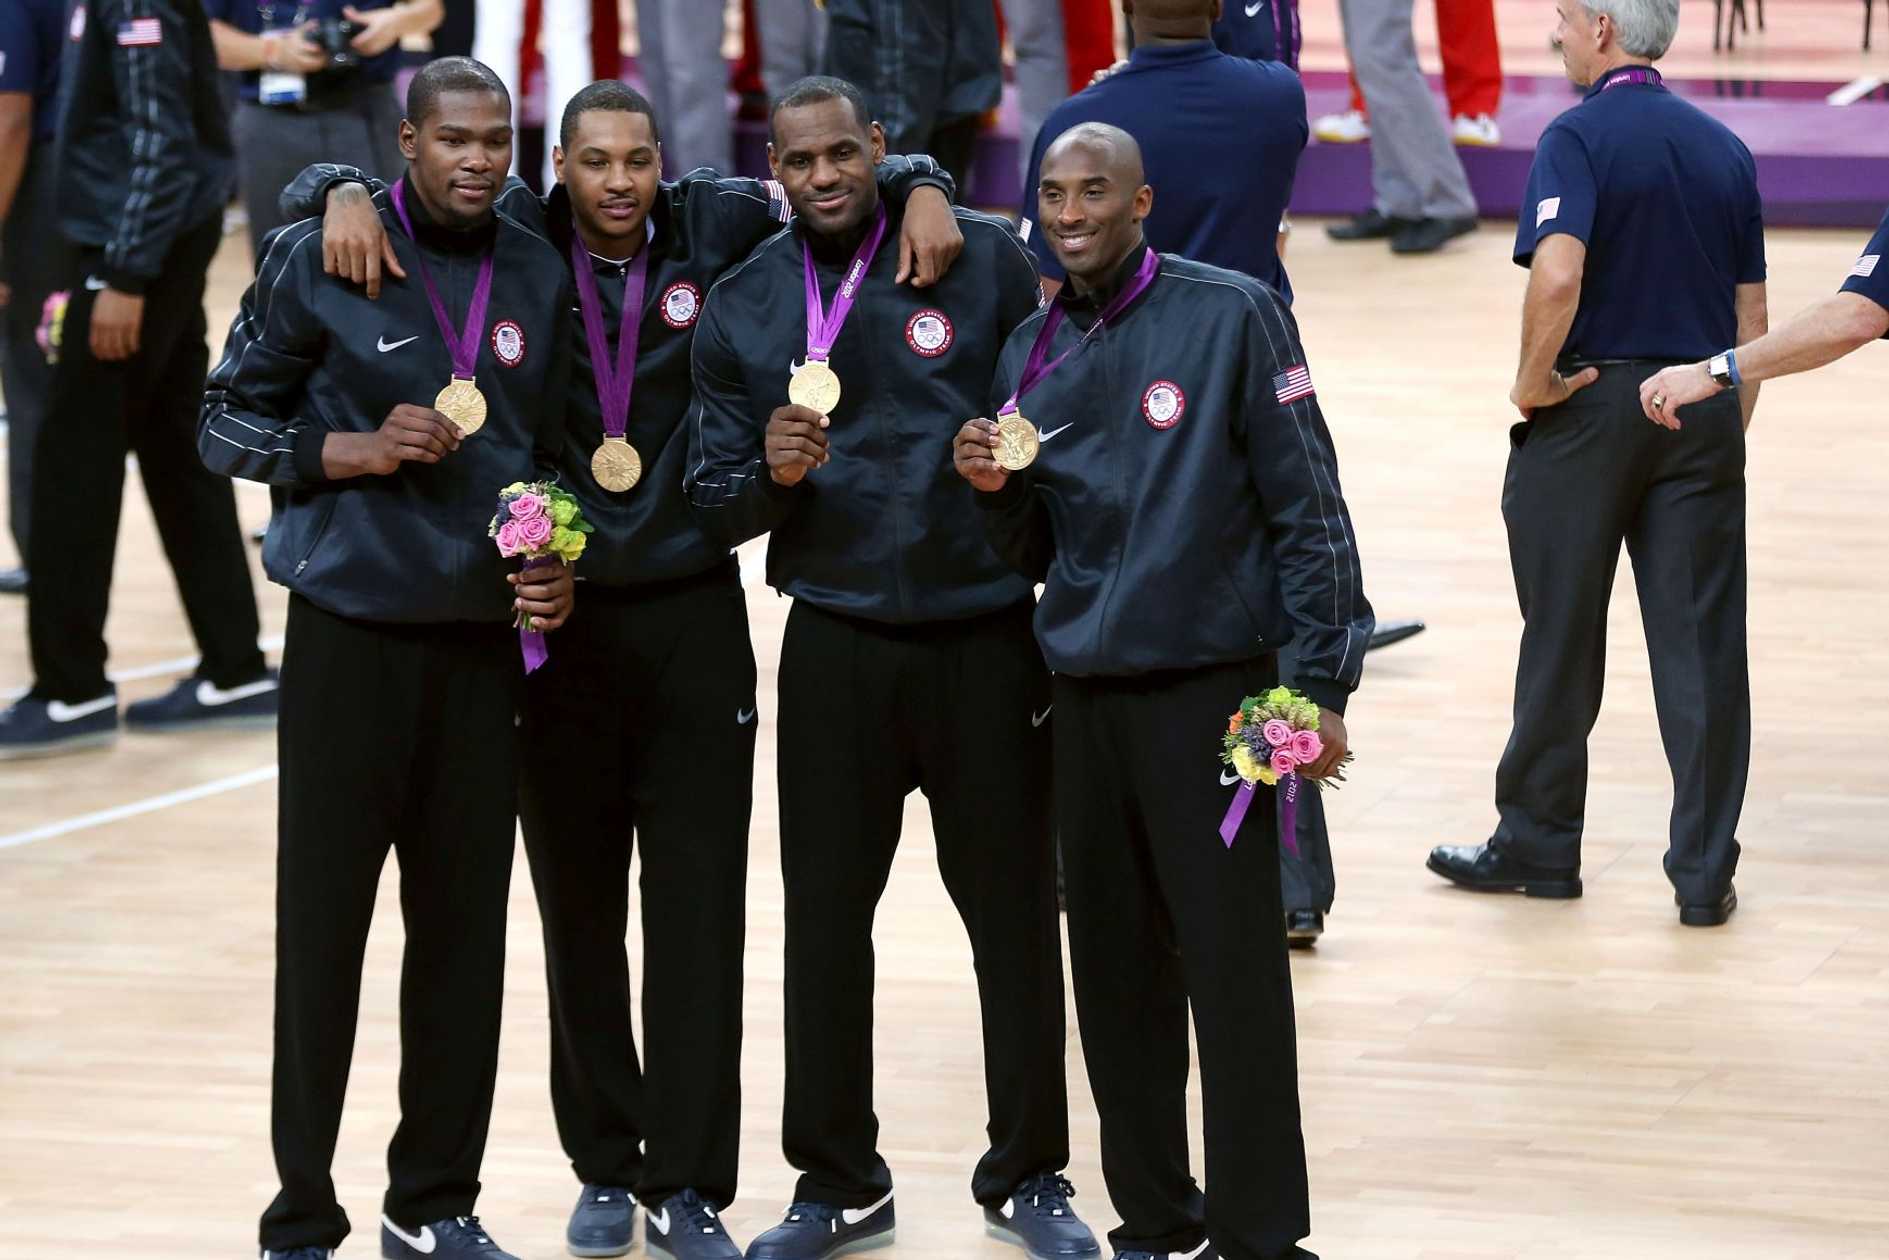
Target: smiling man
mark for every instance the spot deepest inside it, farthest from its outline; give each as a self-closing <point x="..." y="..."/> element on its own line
<point x="664" y="636"/>
<point x="1183" y="514"/>
<point x="907" y="663"/>
<point x="401" y="677"/>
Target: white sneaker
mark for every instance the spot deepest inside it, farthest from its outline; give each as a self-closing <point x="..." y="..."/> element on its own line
<point x="1350" y="127"/>
<point x="1478" y="132"/>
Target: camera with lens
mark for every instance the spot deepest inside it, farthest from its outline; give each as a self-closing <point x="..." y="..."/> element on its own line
<point x="335" y="36"/>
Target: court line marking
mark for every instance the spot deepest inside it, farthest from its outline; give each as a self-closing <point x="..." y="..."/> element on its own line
<point x="1853" y="91"/>
<point x="149" y="805"/>
<point x="157" y="669"/>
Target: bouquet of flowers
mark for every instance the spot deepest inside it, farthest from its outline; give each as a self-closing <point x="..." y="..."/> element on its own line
<point x="1267" y="740"/>
<point x="536" y="522"/>
<point x="51" y="332"/>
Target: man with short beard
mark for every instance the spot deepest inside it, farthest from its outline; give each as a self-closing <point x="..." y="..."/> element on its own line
<point x="402" y="676"/>
<point x="640" y="730"/>
<point x="907" y="663"/>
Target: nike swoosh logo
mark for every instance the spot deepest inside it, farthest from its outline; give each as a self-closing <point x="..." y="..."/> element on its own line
<point x="1252" y="10"/>
<point x="59" y="711"/>
<point x="852" y="1216"/>
<point x="1229" y="777"/>
<point x="383" y="345"/>
<point x="1037" y="719"/>
<point x="1191" y="1254"/>
<point x="1044" y="437"/>
<point x="95" y="284"/>
<point x="423" y="1242"/>
<point x="742" y="718"/>
<point x="1009" y="1208"/>
<point x="209" y="695"/>
<point x="659" y="1221"/>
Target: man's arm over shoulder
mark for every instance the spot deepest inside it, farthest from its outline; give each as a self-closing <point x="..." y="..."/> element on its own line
<point x="249" y="426"/>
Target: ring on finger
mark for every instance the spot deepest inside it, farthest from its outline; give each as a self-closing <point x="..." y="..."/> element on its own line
<point x="1659" y="402"/>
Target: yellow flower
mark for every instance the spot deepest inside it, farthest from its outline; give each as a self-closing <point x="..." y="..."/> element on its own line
<point x="568" y="543"/>
<point x="1247" y="765"/>
<point x="1267" y="777"/>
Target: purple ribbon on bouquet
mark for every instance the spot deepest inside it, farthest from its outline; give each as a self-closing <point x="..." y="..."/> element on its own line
<point x="531" y="643"/>
<point x="463" y="345"/>
<point x="1040" y="365"/>
<point x="823" y="326"/>
<point x="1288" y="814"/>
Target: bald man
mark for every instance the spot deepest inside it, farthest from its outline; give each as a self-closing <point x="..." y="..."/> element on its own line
<point x="1195" y="418"/>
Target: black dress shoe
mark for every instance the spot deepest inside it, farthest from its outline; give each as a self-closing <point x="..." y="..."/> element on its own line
<point x="1710" y="913"/>
<point x="12" y="581"/>
<point x="1369" y="226"/>
<point x="1485" y="868"/>
<point x="1389" y="632"/>
<point x="1303" y="928"/>
<point x="1426" y="236"/>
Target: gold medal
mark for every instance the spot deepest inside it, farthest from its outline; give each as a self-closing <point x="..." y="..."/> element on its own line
<point x="814" y="386"/>
<point x="1017" y="442"/>
<point x="463" y="404"/>
<point x="616" y="465"/>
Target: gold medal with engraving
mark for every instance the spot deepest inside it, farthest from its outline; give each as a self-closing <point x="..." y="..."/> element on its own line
<point x="616" y="465"/>
<point x="463" y="404"/>
<point x="1017" y="442"/>
<point x="814" y="386"/>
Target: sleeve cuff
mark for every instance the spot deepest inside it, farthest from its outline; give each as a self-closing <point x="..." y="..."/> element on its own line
<point x="124" y="281"/>
<point x="1326" y="693"/>
<point x="308" y="444"/>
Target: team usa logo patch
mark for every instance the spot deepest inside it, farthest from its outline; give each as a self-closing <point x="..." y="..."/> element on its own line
<point x="1163" y="404"/>
<point x="1293" y="384"/>
<point x="929" y="333"/>
<point x="681" y="303"/>
<point x="508" y="343"/>
<point x="140" y="33"/>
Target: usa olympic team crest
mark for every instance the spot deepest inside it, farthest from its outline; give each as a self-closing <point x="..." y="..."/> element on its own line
<point x="681" y="303"/>
<point x="929" y="333"/>
<point x="1163" y="404"/>
<point x="508" y="343"/>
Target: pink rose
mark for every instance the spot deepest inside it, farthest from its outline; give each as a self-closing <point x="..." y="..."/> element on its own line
<point x="534" y="531"/>
<point x="526" y="506"/>
<point x="1284" y="763"/>
<point x="1277" y="733"/>
<point x="508" y="538"/>
<point x="1307" y="746"/>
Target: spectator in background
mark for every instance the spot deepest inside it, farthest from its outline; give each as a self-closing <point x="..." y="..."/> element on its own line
<point x="307" y="94"/>
<point x="930" y="70"/>
<point x="680" y="52"/>
<point x="793" y="41"/>
<point x="1267" y="31"/>
<point x="35" y="260"/>
<point x="1472" y="80"/>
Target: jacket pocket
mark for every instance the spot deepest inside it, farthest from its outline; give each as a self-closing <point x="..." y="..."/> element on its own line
<point x="324" y="519"/>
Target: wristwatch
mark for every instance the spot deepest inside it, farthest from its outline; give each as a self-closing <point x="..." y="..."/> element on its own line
<point x="1724" y="369"/>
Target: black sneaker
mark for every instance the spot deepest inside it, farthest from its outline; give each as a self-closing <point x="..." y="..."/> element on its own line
<point x="200" y="702"/>
<point x="1372" y="225"/>
<point x="815" y="1231"/>
<point x="603" y="1223"/>
<point x="32" y="727"/>
<point x="1303" y="928"/>
<point x="1037" y="1217"/>
<point x="1203" y="1252"/>
<point x="1426" y="236"/>
<point x="13" y="582"/>
<point x="300" y="1253"/>
<point x="454" y="1238"/>
<point x="686" y="1227"/>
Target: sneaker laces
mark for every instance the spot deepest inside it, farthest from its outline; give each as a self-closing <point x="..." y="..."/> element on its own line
<point x="800" y="1211"/>
<point x="603" y="1194"/>
<point x="1049" y="1194"/>
<point x="700" y="1213"/>
<point x="480" y="1238"/>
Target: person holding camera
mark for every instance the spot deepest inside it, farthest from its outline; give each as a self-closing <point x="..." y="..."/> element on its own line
<point x="317" y="86"/>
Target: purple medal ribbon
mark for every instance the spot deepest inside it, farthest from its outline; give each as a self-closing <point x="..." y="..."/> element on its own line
<point x="1288" y="814"/>
<point x="823" y="326"/>
<point x="615" y="384"/>
<point x="463" y="345"/>
<point x="1040" y="365"/>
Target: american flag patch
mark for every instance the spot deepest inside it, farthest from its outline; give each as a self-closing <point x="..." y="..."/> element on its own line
<point x="1293" y="384"/>
<point x="777" y="202"/>
<point x="140" y="33"/>
<point x="1865" y="266"/>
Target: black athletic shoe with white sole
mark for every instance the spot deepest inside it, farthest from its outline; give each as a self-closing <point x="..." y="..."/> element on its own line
<point x="687" y="1227"/>
<point x="815" y="1231"/>
<point x="200" y="702"/>
<point x="31" y="727"/>
<point x="1037" y="1217"/>
<point x="603" y="1223"/>
<point x="455" y="1238"/>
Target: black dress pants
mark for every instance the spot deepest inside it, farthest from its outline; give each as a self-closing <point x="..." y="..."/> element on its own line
<point x="392" y="738"/>
<point x="640" y="732"/>
<point x="1582" y="478"/>
<point x="958" y="710"/>
<point x="35" y="262"/>
<point x="146" y="404"/>
<point x="1164" y="917"/>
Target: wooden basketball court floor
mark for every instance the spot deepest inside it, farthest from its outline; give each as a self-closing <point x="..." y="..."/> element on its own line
<point x="1482" y="1077"/>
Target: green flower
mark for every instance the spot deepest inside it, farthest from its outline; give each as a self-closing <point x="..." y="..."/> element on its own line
<point x="568" y="544"/>
<point x="563" y="509"/>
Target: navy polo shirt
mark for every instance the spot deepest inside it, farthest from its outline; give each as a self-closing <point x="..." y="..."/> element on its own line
<point x="1259" y="30"/>
<point x="1220" y="138"/>
<point x="1870" y="275"/>
<point x="31" y="42"/>
<point x="249" y="15"/>
<point x="1665" y="198"/>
